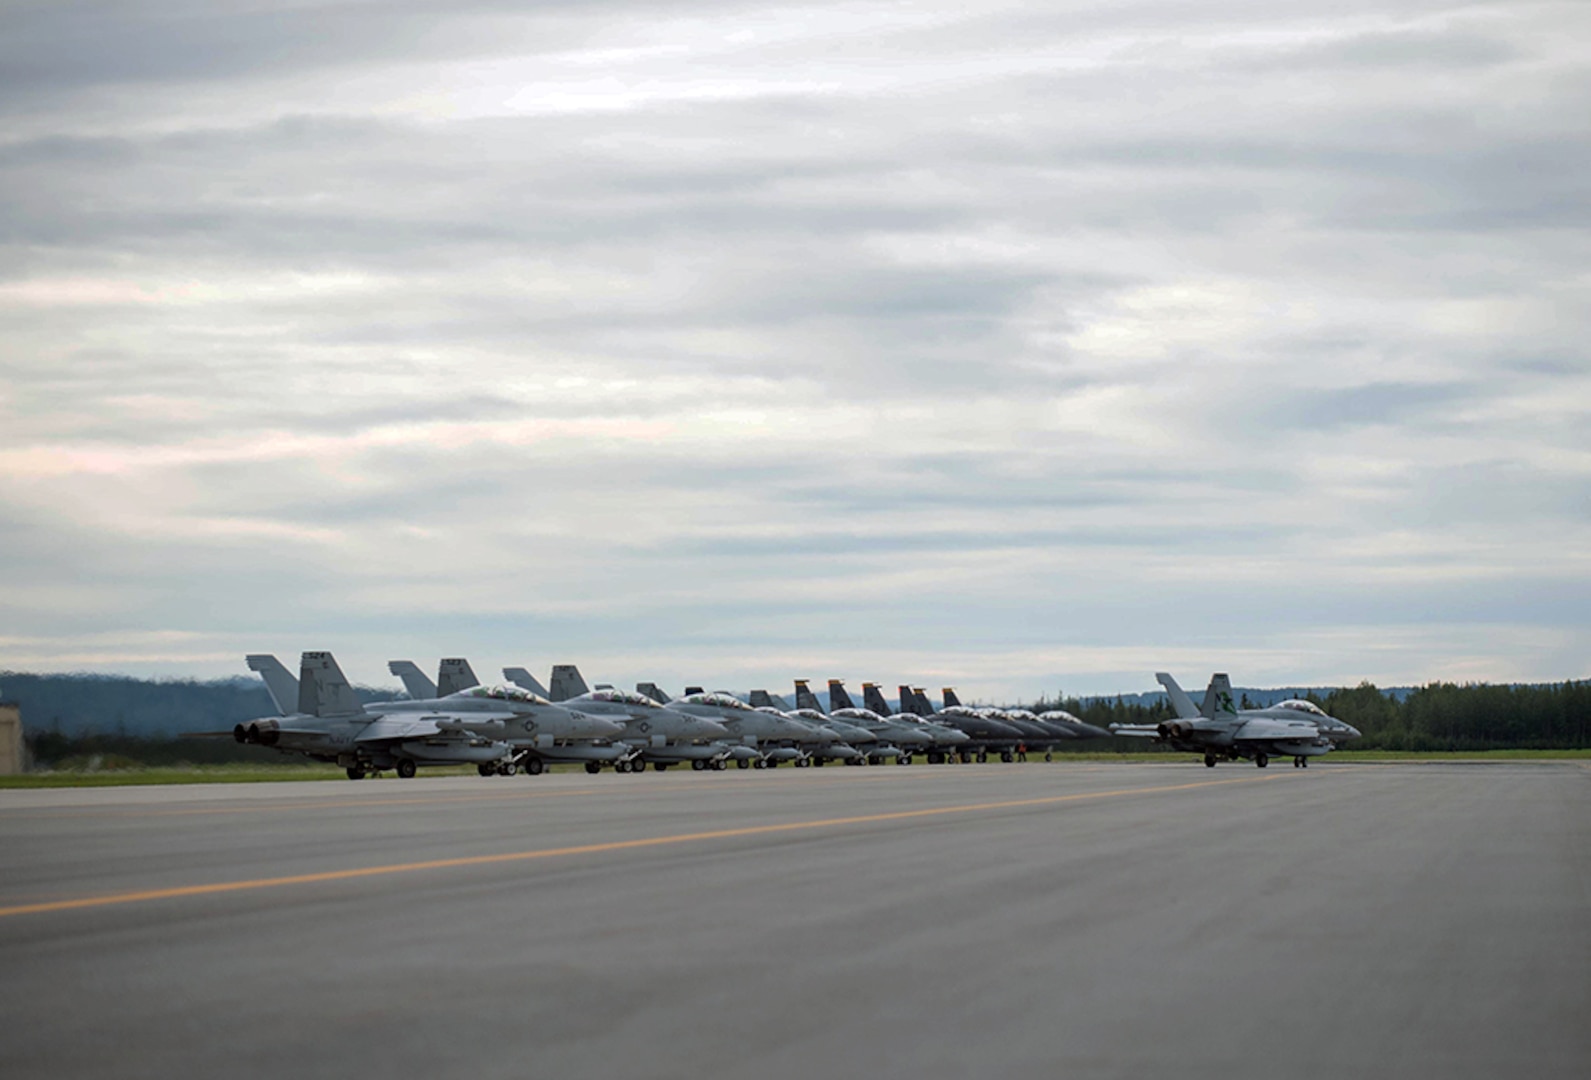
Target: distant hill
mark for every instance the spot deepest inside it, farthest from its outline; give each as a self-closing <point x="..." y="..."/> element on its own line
<point x="119" y="705"/>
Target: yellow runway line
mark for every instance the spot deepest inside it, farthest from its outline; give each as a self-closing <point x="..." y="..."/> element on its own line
<point x="583" y="849"/>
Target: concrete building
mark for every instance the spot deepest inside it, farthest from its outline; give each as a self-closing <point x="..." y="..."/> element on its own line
<point x="11" y="760"/>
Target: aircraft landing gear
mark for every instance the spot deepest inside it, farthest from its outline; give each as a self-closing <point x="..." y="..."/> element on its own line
<point x="533" y="766"/>
<point x="1209" y="761"/>
<point x="621" y="766"/>
<point x="406" y="769"/>
<point x="1300" y="763"/>
<point x="1007" y="757"/>
<point x="1048" y="756"/>
<point x="718" y="765"/>
<point x="698" y="764"/>
<point x="744" y="763"/>
<point x="485" y="769"/>
<point x="355" y="773"/>
<point x="660" y="766"/>
<point x="593" y="767"/>
<point x="1261" y="760"/>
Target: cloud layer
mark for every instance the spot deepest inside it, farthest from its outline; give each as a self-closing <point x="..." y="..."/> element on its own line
<point x="1026" y="349"/>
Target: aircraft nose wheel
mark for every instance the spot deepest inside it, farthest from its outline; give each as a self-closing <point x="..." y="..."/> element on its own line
<point x="1209" y="761"/>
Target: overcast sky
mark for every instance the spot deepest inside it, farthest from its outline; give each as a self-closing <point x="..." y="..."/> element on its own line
<point x="1023" y="347"/>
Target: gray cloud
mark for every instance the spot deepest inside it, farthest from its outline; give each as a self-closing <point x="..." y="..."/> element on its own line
<point x="1027" y="344"/>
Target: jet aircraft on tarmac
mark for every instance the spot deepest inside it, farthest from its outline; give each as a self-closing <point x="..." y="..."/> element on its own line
<point x="330" y="723"/>
<point x="1220" y="730"/>
<point x="662" y="736"/>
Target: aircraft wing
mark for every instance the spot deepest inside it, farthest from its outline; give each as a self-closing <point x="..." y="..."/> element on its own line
<point x="1275" y="730"/>
<point x="397" y="729"/>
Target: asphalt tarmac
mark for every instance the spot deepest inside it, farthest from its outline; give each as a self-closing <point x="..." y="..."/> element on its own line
<point x="1071" y="920"/>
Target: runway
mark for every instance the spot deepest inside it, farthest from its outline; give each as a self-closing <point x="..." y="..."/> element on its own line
<point x="1094" y="920"/>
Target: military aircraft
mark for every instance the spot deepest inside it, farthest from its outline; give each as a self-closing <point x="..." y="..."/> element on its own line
<point x="946" y="740"/>
<point x="331" y="724"/>
<point x="908" y="739"/>
<point x="984" y="733"/>
<point x="847" y="738"/>
<point x="540" y="732"/>
<point x="1220" y="731"/>
<point x="773" y="738"/>
<point x="665" y="737"/>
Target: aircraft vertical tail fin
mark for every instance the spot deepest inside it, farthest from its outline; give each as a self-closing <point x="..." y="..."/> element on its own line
<point x="763" y="699"/>
<point x="454" y="674"/>
<point x="1218" y="697"/>
<point x="566" y="683"/>
<point x="920" y="699"/>
<point x="653" y="691"/>
<point x="322" y="689"/>
<point x="873" y="698"/>
<point x="838" y="698"/>
<point x="805" y="698"/>
<point x="415" y="683"/>
<point x="525" y="681"/>
<point x="279" y="682"/>
<point x="951" y="700"/>
<point x="1181" y="703"/>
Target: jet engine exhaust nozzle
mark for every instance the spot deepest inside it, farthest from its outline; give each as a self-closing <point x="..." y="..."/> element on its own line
<point x="257" y="732"/>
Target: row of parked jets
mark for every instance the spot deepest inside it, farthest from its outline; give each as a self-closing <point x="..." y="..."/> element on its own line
<point x="520" y="725"/>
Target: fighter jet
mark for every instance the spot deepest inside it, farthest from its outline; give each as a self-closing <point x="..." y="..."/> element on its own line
<point x="331" y="724"/>
<point x="540" y="732"/>
<point x="946" y="740"/>
<point x="985" y="734"/>
<point x="908" y="739"/>
<point x="1219" y="731"/>
<point x="662" y="736"/>
<point x="847" y="739"/>
<point x="772" y="738"/>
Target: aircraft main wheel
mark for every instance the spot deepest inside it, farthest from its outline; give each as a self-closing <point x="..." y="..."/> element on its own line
<point x="1209" y="761"/>
<point x="818" y="763"/>
<point x="534" y="766"/>
<point x="744" y="763"/>
<point x="718" y="765"/>
<point x="660" y="766"/>
<point x="983" y="757"/>
<point x="904" y="759"/>
<point x="621" y="766"/>
<point x="802" y="763"/>
<point x="355" y="773"/>
<point x="1260" y="761"/>
<point x="593" y="767"/>
<point x="772" y="764"/>
<point x="638" y="767"/>
<point x="698" y="765"/>
<point x="406" y="769"/>
<point x="1049" y="757"/>
<point x="485" y="770"/>
<point x="1304" y="762"/>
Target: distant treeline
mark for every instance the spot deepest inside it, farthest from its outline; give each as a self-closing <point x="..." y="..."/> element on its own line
<point x="75" y="705"/>
<point x="1439" y="716"/>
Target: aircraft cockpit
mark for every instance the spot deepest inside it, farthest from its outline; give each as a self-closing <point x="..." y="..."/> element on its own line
<point x="717" y="699"/>
<point x="1296" y="705"/>
<point x="624" y="697"/>
<point x="506" y="692"/>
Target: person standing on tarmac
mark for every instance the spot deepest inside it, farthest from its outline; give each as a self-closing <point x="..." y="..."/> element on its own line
<point x="1021" y="751"/>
